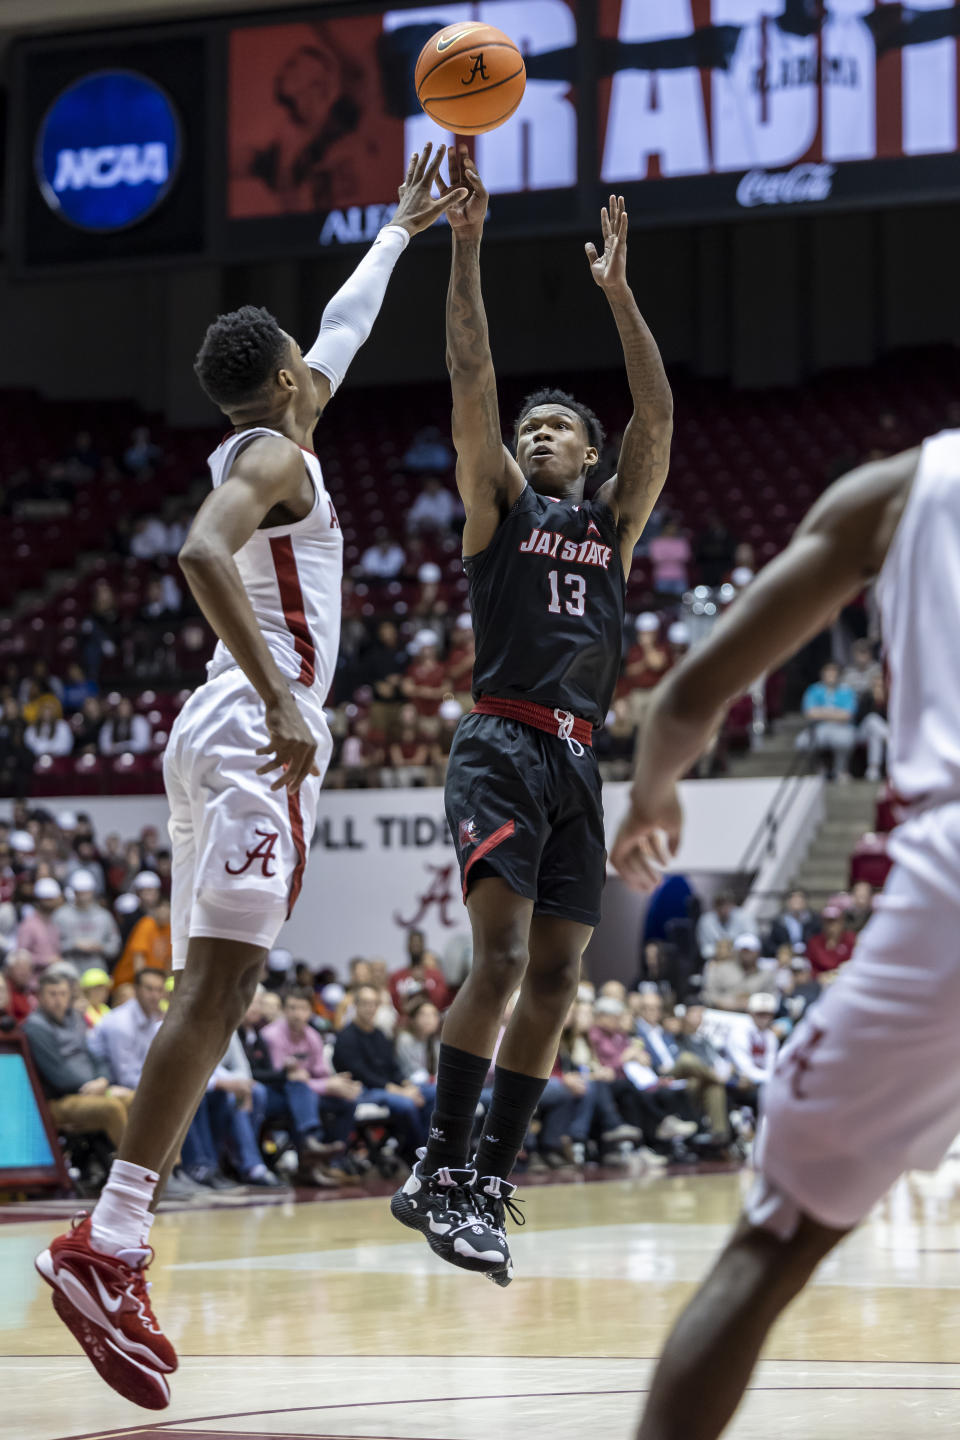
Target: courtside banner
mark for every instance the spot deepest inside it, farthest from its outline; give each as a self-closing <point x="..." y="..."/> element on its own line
<point x="383" y="861"/>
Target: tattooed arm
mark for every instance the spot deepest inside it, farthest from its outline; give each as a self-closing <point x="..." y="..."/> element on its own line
<point x="645" y="452"/>
<point x="488" y="477"/>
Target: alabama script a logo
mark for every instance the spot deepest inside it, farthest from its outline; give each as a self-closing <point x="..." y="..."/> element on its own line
<point x="263" y="852"/>
<point x="439" y="892"/>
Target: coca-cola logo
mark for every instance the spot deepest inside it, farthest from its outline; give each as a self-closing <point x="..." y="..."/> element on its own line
<point x="803" y="185"/>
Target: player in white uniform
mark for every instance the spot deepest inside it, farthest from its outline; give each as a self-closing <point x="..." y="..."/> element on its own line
<point x="868" y="1085"/>
<point x="243" y="768"/>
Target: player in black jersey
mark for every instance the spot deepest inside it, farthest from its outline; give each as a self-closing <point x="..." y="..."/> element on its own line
<point x="548" y="574"/>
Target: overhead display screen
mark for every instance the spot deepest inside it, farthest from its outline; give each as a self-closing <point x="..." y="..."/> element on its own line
<point x="322" y="115"/>
<point x="738" y="105"/>
<point x="289" y="131"/>
<point x="109" y="146"/>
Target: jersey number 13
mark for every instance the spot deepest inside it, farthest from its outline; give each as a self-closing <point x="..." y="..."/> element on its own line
<point x="576" y="584"/>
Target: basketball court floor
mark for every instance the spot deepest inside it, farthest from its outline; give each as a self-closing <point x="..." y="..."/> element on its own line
<point x="328" y="1320"/>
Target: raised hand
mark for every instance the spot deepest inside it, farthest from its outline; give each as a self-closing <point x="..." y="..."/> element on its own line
<point x="610" y="269"/>
<point x="466" y="214"/>
<point x="419" y="207"/>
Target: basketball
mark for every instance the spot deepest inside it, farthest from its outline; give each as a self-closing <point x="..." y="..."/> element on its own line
<point x="470" y="78"/>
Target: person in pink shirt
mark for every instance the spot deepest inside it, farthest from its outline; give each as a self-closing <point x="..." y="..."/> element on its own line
<point x="37" y="932"/>
<point x="296" y="1047"/>
<point x="670" y="555"/>
<point x="610" y="1042"/>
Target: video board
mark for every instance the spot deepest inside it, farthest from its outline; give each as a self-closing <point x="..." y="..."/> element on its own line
<point x="714" y="108"/>
<point x="322" y="115"/>
<point x="291" y="131"/>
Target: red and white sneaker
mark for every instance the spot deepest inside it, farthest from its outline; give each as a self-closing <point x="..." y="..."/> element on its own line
<point x="104" y="1301"/>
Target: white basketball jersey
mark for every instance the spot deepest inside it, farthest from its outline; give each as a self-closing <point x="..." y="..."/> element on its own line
<point x="292" y="575"/>
<point x="919" y="593"/>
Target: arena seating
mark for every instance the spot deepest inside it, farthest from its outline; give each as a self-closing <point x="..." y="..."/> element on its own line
<point x="756" y="459"/>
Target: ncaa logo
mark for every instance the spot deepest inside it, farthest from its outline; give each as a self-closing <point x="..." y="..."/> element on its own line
<point x="108" y="150"/>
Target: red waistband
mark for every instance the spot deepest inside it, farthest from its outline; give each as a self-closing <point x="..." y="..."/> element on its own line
<point x="555" y="722"/>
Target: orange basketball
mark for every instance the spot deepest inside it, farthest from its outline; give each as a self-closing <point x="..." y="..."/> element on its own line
<point x="470" y="78"/>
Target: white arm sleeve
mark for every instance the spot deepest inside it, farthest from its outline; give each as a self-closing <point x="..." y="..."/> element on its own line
<point x="349" y="316"/>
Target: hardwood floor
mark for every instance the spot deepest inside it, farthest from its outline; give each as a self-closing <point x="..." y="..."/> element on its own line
<point x="320" y="1320"/>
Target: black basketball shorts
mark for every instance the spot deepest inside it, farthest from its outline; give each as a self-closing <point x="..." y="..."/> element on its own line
<point x="522" y="804"/>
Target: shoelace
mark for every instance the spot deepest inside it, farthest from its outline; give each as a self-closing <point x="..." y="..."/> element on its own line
<point x="138" y="1281"/>
<point x="458" y="1200"/>
<point x="494" y="1208"/>
<point x="565" y="721"/>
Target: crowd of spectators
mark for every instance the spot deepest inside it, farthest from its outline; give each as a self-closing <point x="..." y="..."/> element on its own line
<point x="46" y="714"/>
<point x="846" y="709"/>
<point x="123" y="623"/>
<point x="407" y="645"/>
<point x="332" y="1074"/>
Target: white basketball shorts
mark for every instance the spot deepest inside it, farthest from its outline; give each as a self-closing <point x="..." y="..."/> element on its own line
<point x="868" y="1086"/>
<point x="239" y="848"/>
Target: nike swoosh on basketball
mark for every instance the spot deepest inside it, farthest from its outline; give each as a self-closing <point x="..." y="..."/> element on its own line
<point x="450" y="40"/>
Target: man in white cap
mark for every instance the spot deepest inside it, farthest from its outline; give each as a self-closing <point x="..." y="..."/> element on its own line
<point x="146" y="886"/>
<point x="450" y="713"/>
<point x="752" y="1048"/>
<point x="647" y="660"/>
<point x="430" y="574"/>
<point x="730" y="980"/>
<point x="147" y="891"/>
<point x="462" y="654"/>
<point x="88" y="933"/>
<point x="23" y="846"/>
<point x="126" y="908"/>
<point x="38" y="932"/>
<point x="425" y="682"/>
<point x="678" y="638"/>
<point x="86" y="856"/>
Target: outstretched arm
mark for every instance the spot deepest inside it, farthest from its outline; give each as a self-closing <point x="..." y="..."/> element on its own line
<point x="349" y="317"/>
<point x="645" y="452"/>
<point x="839" y="546"/>
<point x="488" y="477"/>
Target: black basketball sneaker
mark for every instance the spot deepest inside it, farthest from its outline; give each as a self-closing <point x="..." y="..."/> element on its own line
<point x="443" y="1207"/>
<point x="493" y="1199"/>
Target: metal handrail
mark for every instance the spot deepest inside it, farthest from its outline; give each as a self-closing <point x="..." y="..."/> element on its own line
<point x="764" y="839"/>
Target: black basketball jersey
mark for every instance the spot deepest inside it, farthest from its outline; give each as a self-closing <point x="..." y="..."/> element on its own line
<point x="547" y="597"/>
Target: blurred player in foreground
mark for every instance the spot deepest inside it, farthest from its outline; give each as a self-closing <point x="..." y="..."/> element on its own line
<point x="243" y="769"/>
<point x="868" y="1085"/>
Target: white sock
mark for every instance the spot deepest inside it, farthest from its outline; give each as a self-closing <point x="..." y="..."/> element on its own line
<point x="121" y="1219"/>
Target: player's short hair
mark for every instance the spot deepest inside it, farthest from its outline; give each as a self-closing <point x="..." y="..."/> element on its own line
<point x="595" y="431"/>
<point x="239" y="354"/>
